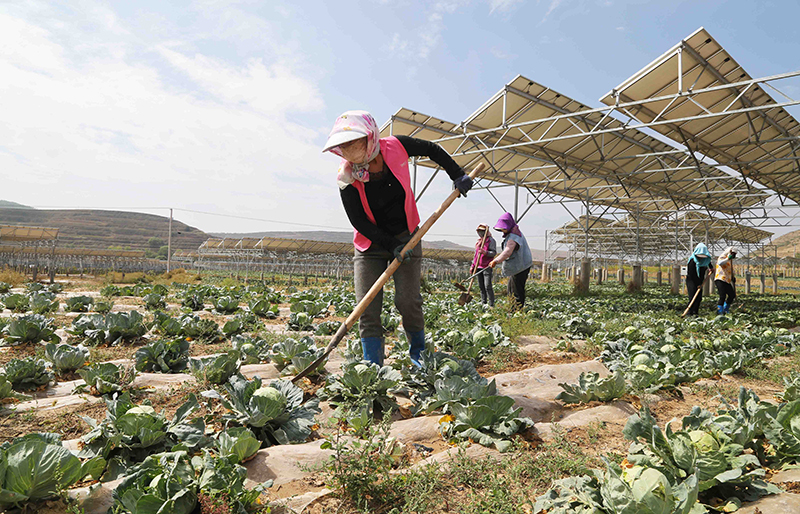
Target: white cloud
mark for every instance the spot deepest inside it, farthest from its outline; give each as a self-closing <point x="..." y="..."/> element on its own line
<point x="621" y="29"/>
<point x="501" y="54"/>
<point x="503" y="5"/>
<point x="553" y="6"/>
<point x="123" y="130"/>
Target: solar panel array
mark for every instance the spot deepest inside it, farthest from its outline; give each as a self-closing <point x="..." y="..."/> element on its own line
<point x="730" y="145"/>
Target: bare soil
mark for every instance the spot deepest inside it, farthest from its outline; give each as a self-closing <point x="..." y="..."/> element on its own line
<point x="66" y="422"/>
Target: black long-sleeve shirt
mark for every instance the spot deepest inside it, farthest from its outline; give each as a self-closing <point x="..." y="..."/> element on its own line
<point x="386" y="196"/>
<point x="694" y="275"/>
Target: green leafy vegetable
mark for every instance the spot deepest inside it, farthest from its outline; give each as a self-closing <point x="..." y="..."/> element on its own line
<point x="65" y="357"/>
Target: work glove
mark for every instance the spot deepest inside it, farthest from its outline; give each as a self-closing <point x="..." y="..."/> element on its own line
<point x="492" y="264"/>
<point x="402" y="257"/>
<point x="463" y="184"/>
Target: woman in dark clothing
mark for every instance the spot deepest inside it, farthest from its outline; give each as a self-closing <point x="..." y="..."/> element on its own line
<point x="696" y="270"/>
<point x="516" y="258"/>
<point x="375" y="187"/>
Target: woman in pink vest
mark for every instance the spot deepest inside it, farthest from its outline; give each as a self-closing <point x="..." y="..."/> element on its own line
<point x="375" y="186"/>
<point x="480" y="263"/>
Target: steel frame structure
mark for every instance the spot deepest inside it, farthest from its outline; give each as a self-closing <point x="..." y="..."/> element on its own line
<point x="690" y="133"/>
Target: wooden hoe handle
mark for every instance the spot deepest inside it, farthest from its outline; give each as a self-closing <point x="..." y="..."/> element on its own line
<point x="697" y="293"/>
<point x="378" y="285"/>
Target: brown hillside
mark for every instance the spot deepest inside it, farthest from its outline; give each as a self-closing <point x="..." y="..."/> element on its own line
<point x="786" y="244"/>
<point x="104" y="229"/>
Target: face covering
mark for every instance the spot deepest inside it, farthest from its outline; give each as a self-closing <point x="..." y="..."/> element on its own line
<point x="363" y="123"/>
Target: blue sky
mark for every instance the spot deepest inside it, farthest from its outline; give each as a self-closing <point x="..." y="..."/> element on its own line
<point x="222" y="107"/>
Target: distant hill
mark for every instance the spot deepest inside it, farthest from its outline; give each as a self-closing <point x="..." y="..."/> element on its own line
<point x="330" y="237"/>
<point x="14" y="205"/>
<point x="787" y="244"/>
<point x="84" y="228"/>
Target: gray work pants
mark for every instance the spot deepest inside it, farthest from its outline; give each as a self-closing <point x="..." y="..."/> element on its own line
<point x="485" y="283"/>
<point x="368" y="267"/>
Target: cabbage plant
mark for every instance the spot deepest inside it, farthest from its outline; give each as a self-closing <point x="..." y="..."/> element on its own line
<point x="37" y="467"/>
<point x="456" y="389"/>
<point x="43" y="302"/>
<point x="199" y="329"/>
<point x="105" y="378"/>
<point x="216" y="369"/>
<point x="634" y="490"/>
<point x="32" y="328"/>
<point x="110" y="291"/>
<point x="237" y="444"/>
<point x="362" y="386"/>
<point x="193" y="301"/>
<point x="5" y="287"/>
<point x="226" y="304"/>
<point x="131" y="432"/>
<point x="300" y="322"/>
<point x="7" y="391"/>
<point x="112" y="328"/>
<point x="284" y="351"/>
<point x="66" y="357"/>
<point x="712" y="456"/>
<point x="263" y="308"/>
<point x="78" y="303"/>
<point x="327" y="328"/>
<point x="253" y="350"/>
<point x="102" y="306"/>
<point x="28" y="373"/>
<point x="791" y="388"/>
<point x="176" y="482"/>
<point x="164" y="356"/>
<point x="489" y="421"/>
<point x="419" y="383"/>
<point x="591" y="387"/>
<point x="242" y="322"/>
<point x="154" y="301"/>
<point x="16" y="302"/>
<point x="275" y="413"/>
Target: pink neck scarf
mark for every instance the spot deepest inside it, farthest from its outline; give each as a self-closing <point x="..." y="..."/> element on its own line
<point x="363" y="123"/>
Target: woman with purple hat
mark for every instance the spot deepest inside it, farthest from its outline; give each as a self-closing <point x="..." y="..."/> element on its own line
<point x="516" y="258"/>
<point x="375" y="187"/>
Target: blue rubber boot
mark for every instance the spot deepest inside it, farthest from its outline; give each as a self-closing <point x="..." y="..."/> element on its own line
<point x="373" y="349"/>
<point x="416" y="344"/>
<point x="720" y="312"/>
<point x="725" y="308"/>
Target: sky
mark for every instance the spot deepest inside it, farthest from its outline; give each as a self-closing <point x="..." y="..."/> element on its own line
<point x="219" y="109"/>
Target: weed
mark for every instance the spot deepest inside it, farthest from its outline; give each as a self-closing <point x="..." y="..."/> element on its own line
<point x="12" y="277"/>
<point x="505" y="357"/>
<point x="360" y="468"/>
<point x="774" y="370"/>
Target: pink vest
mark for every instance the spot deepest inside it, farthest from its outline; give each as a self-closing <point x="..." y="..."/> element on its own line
<point x="396" y="158"/>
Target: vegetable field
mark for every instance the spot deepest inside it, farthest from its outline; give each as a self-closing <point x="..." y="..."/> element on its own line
<point x="172" y="397"/>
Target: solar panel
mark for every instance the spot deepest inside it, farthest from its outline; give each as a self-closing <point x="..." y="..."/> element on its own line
<point x="715" y="107"/>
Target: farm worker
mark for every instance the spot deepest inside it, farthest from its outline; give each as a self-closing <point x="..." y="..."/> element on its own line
<point x="725" y="280"/>
<point x="483" y="256"/>
<point x="517" y="259"/>
<point x="375" y="187"/>
<point x="696" y="270"/>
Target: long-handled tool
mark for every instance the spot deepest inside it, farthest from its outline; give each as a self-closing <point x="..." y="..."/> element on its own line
<point x="378" y="285"/>
<point x="697" y="293"/>
<point x="461" y="286"/>
<point x="466" y="297"/>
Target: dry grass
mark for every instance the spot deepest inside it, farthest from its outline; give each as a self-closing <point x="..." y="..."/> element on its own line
<point x="12" y="277"/>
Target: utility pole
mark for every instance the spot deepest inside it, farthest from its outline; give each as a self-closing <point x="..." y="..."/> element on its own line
<point x="169" y="243"/>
